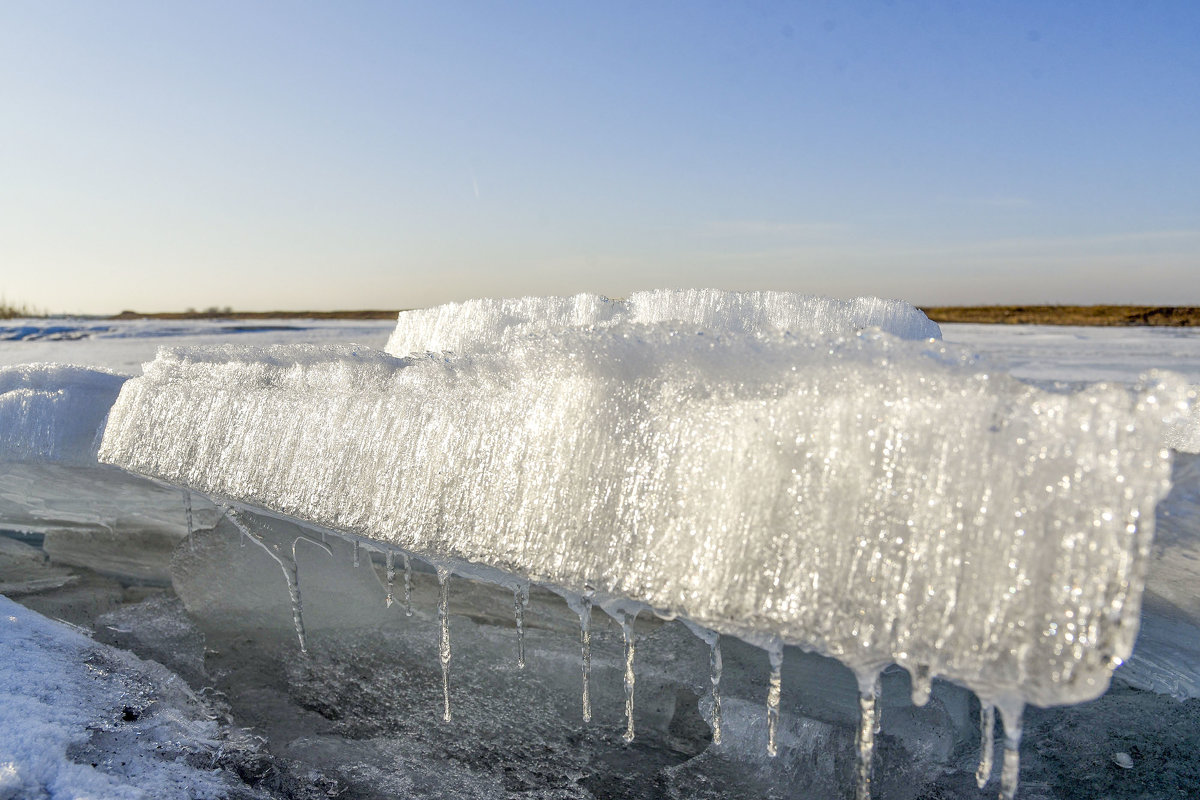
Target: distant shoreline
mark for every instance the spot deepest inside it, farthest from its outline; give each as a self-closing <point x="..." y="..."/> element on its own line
<point x="1110" y="316"/>
<point x="1107" y="316"/>
<point x="365" y="314"/>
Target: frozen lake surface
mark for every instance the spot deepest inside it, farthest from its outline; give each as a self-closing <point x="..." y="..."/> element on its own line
<point x="359" y="716"/>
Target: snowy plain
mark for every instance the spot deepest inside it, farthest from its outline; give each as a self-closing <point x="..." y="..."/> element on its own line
<point x="1036" y="353"/>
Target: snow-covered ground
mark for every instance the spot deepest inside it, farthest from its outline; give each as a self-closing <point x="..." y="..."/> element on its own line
<point x="124" y="345"/>
<point x="1070" y="353"/>
<point x="79" y="719"/>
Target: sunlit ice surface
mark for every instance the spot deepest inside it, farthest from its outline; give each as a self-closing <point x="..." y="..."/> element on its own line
<point x="867" y="498"/>
<point x="396" y="573"/>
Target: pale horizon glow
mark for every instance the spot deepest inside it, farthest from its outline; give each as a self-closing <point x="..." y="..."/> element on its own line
<point x="375" y="155"/>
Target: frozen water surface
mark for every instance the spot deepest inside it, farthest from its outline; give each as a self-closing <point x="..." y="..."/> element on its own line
<point x="358" y="716"/>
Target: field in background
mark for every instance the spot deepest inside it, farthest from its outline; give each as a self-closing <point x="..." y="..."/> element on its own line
<point x="1173" y="316"/>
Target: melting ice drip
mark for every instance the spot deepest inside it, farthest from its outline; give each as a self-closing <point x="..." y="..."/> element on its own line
<point x="443" y="576"/>
<point x="870" y="499"/>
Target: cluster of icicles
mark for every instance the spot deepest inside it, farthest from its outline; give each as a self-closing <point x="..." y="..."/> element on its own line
<point x="869" y="686"/>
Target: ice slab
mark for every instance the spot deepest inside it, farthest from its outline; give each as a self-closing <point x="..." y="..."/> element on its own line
<point x="870" y="499"/>
<point x="51" y="419"/>
<point x="484" y="323"/>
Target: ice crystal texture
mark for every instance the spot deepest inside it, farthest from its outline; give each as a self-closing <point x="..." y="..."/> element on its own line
<point x="1185" y="435"/>
<point x="487" y="323"/>
<point x="869" y="498"/>
<point x="50" y="412"/>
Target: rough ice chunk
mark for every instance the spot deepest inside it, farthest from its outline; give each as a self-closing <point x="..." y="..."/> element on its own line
<point x="51" y="419"/>
<point x="1184" y="436"/>
<point x="457" y="327"/>
<point x="870" y="499"/>
<point x="769" y="312"/>
<point x="487" y="323"/>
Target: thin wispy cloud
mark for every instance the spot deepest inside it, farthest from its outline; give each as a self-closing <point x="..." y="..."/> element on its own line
<point x="774" y="230"/>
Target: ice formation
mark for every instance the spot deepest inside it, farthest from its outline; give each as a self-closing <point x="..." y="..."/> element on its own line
<point x="51" y="418"/>
<point x="1184" y="436"/>
<point x="486" y="323"/>
<point x="50" y="412"/>
<point x="870" y="499"/>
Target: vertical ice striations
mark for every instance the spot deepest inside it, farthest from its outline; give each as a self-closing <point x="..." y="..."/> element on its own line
<point x="871" y="499"/>
<point x="54" y="413"/>
<point x="486" y="324"/>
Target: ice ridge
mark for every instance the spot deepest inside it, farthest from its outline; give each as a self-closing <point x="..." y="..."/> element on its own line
<point x="485" y="323"/>
<point x="872" y="499"/>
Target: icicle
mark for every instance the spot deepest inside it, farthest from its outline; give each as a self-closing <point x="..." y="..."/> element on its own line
<point x="713" y="640"/>
<point x="585" y="646"/>
<point x="627" y="630"/>
<point x="356" y="553"/>
<point x="775" y="653"/>
<point x="407" y="586"/>
<point x="922" y="684"/>
<point x="293" y="582"/>
<point x="290" y="573"/>
<point x="715" y="667"/>
<point x="443" y="575"/>
<point x="390" y="561"/>
<point x="520" y="598"/>
<point x="987" y="744"/>
<point x="868" y="726"/>
<point x="1010" y="716"/>
<point x="187" y="515"/>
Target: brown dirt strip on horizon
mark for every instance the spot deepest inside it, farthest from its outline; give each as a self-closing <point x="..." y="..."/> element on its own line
<point x="1172" y="316"/>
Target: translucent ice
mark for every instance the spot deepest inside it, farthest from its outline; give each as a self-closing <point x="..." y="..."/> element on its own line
<point x="870" y="499"/>
<point x="50" y="412"/>
<point x="485" y="323"/>
<point x="51" y="419"/>
<point x="1185" y="435"/>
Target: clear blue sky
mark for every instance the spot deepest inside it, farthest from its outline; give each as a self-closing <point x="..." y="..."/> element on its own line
<point x="160" y="155"/>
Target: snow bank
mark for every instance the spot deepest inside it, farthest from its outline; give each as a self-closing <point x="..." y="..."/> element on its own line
<point x="868" y="498"/>
<point x="78" y="719"/>
<point x="459" y="327"/>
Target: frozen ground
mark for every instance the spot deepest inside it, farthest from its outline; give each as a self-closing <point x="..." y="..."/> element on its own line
<point x="124" y="345"/>
<point x="360" y="717"/>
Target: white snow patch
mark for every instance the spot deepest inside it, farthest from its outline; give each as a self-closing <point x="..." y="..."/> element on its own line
<point x="67" y="727"/>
